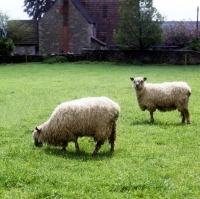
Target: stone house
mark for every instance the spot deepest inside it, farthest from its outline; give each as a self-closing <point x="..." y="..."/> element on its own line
<point x="69" y="26"/>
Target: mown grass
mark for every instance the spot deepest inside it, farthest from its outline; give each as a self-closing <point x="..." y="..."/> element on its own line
<point x="150" y="161"/>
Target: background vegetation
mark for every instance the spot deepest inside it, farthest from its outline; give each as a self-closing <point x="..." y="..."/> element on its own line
<point x="140" y="25"/>
<point x="150" y="161"/>
<point x="35" y="9"/>
<point x="6" y="46"/>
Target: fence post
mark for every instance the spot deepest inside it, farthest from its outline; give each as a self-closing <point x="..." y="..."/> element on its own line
<point x="185" y="55"/>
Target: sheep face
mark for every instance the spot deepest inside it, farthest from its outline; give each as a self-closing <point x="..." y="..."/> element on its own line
<point x="36" y="137"/>
<point x="138" y="82"/>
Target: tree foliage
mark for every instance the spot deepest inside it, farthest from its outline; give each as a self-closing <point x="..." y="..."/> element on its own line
<point x="140" y="24"/>
<point x="180" y="33"/>
<point x="3" y="24"/>
<point x="6" y="45"/>
<point x="35" y="8"/>
<point x="19" y="32"/>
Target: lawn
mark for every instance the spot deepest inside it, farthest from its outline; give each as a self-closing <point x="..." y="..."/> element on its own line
<point x="159" y="160"/>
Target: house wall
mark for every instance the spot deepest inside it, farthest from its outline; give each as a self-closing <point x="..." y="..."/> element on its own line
<point x="64" y="29"/>
<point x="23" y="50"/>
<point x="80" y="31"/>
<point x="105" y="14"/>
<point x="50" y="30"/>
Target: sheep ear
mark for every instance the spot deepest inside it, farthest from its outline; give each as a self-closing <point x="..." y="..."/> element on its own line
<point x="38" y="129"/>
<point x="132" y="78"/>
<point x="145" y="78"/>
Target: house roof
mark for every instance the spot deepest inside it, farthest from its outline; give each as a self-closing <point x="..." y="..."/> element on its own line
<point x="188" y="24"/>
<point x="98" y="41"/>
<point x="34" y="37"/>
<point x="83" y="11"/>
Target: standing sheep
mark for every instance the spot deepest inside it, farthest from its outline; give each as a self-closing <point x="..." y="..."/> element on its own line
<point x="167" y="96"/>
<point x="93" y="116"/>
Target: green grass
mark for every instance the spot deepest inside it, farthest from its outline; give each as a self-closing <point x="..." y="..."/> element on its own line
<point x="150" y="161"/>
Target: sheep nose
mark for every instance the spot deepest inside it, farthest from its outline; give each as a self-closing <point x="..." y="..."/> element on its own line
<point x="38" y="144"/>
<point x="137" y="84"/>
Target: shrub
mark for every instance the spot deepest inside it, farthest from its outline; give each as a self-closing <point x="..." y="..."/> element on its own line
<point x="195" y="45"/>
<point x="6" y="46"/>
<point x="54" y="59"/>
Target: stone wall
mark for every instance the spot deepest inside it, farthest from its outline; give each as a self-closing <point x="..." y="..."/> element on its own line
<point x="20" y="59"/>
<point x="23" y="50"/>
<point x="59" y="36"/>
<point x="80" y="30"/>
<point x="147" y="57"/>
<point x="50" y="30"/>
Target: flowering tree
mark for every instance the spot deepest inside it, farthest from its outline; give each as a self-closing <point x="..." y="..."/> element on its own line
<point x="180" y="33"/>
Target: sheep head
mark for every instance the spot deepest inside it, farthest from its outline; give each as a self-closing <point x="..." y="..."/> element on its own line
<point x="36" y="137"/>
<point x="138" y="82"/>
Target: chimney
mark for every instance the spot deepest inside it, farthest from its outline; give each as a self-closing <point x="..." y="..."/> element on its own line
<point x="48" y="5"/>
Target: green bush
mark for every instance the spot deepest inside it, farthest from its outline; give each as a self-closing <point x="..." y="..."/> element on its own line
<point x="54" y="59"/>
<point x="6" y="46"/>
<point x="195" y="45"/>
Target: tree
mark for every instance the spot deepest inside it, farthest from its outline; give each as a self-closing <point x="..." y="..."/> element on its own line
<point x="35" y="8"/>
<point x="180" y="33"/>
<point x="6" y="45"/>
<point x="19" y="32"/>
<point x="3" y="24"/>
<point x="140" y="25"/>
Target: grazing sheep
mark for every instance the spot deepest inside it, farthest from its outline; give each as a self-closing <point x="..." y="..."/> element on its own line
<point x="167" y="96"/>
<point x="93" y="116"/>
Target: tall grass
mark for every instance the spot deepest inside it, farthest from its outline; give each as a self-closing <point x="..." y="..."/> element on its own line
<point x="159" y="160"/>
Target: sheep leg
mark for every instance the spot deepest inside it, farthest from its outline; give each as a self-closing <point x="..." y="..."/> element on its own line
<point x="98" y="146"/>
<point x="185" y="116"/>
<point x="65" y="144"/>
<point x="112" y="138"/>
<point x="112" y="145"/>
<point x="151" y="118"/>
<point x="77" y="147"/>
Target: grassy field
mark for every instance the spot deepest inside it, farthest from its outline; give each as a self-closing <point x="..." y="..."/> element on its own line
<point x="150" y="161"/>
